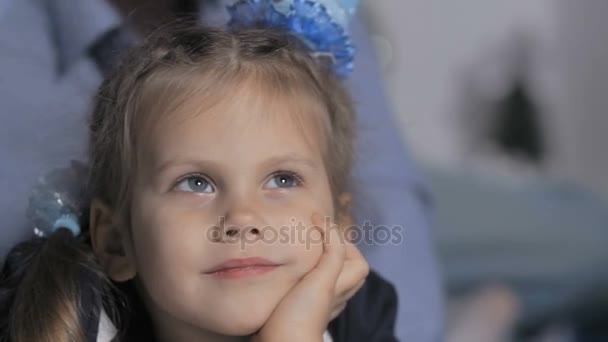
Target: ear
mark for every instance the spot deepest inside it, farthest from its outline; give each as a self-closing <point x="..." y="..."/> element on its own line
<point x="111" y="244"/>
<point x="344" y="217"/>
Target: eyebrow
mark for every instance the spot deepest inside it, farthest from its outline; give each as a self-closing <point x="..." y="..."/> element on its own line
<point x="289" y="159"/>
<point x="175" y="163"/>
<point x="271" y="162"/>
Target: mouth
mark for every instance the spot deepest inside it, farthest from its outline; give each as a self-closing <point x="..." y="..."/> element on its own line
<point x="242" y="268"/>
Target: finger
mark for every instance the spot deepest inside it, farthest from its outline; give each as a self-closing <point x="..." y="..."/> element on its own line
<point x="352" y="251"/>
<point x="332" y="260"/>
<point x="337" y="310"/>
<point x="346" y="296"/>
<point x="354" y="271"/>
<point x="341" y="301"/>
<point x="351" y="292"/>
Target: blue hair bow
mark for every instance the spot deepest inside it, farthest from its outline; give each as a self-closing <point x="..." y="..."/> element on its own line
<point x="321" y="24"/>
<point x="57" y="200"/>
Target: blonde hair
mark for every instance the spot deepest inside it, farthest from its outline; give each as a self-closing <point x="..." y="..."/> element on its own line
<point x="276" y="57"/>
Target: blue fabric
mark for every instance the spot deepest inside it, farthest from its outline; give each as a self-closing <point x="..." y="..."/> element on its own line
<point x="391" y="192"/>
<point x="308" y="19"/>
<point x="46" y="84"/>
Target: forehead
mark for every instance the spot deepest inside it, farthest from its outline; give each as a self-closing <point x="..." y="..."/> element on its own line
<point x="241" y="115"/>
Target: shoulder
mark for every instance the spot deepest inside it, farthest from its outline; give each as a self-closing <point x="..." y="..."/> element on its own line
<point x="25" y="41"/>
<point x="370" y="315"/>
<point x="21" y="20"/>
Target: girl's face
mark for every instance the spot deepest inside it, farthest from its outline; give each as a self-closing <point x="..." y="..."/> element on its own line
<point x="236" y="180"/>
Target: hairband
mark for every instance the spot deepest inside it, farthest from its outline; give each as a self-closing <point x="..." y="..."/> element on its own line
<point x="321" y="24"/>
<point x="57" y="200"/>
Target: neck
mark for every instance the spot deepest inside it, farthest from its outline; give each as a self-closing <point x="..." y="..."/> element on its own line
<point x="167" y="329"/>
<point x="147" y="15"/>
<point x="198" y="336"/>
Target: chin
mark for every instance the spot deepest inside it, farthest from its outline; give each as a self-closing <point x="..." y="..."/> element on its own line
<point x="243" y="325"/>
<point x="242" y="318"/>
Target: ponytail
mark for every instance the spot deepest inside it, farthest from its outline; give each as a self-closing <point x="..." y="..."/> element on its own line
<point x="51" y="289"/>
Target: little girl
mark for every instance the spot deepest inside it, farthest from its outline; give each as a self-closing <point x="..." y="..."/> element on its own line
<point x="215" y="156"/>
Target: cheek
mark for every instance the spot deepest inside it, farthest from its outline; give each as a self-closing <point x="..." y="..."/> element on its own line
<point x="297" y="206"/>
<point x="169" y="248"/>
<point x="304" y="245"/>
<point x="308" y="256"/>
<point x="293" y="217"/>
<point x="167" y="239"/>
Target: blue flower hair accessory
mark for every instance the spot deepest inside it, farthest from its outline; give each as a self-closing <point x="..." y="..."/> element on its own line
<point x="57" y="200"/>
<point x="321" y="24"/>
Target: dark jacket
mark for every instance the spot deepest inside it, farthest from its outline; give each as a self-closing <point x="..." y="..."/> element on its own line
<point x="370" y="315"/>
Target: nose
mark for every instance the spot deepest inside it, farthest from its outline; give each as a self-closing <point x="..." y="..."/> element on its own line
<point x="241" y="220"/>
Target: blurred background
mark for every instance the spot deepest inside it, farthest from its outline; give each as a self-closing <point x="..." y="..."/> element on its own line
<point x="504" y="103"/>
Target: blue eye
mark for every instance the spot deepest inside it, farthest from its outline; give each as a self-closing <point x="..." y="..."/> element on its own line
<point x="284" y="180"/>
<point x="196" y="184"/>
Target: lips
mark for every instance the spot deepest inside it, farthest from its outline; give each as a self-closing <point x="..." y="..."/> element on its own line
<point x="238" y="268"/>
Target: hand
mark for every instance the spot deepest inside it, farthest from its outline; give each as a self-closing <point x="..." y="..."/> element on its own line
<point x="351" y="279"/>
<point x="304" y="312"/>
<point x="355" y="269"/>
